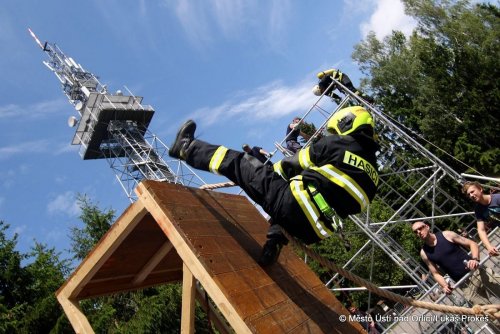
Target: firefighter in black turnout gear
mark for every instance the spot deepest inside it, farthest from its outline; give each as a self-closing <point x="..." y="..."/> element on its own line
<point x="326" y="87"/>
<point x="306" y="194"/>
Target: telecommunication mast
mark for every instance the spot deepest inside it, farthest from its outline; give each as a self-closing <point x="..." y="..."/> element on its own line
<point x="114" y="126"/>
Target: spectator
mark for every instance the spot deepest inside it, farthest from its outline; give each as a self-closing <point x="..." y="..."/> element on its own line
<point x="487" y="212"/>
<point x="292" y="135"/>
<point x="443" y="249"/>
<point x="365" y="319"/>
<point x="259" y="153"/>
<point x="463" y="233"/>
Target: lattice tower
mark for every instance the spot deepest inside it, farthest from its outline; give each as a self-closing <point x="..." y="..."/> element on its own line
<point x="114" y="127"/>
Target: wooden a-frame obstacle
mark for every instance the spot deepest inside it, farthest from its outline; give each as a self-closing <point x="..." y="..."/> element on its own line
<point x="175" y="233"/>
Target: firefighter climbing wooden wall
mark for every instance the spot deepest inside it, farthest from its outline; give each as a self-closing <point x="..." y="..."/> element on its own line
<point x="175" y="233"/>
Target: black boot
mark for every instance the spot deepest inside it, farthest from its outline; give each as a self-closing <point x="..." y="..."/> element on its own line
<point x="184" y="137"/>
<point x="272" y="248"/>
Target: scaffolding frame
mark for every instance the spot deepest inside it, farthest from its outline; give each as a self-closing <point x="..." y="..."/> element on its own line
<point x="422" y="198"/>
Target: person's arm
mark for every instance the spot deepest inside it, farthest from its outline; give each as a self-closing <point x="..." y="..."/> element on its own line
<point x="314" y="155"/>
<point x="435" y="273"/>
<point x="263" y="152"/>
<point x="481" y="230"/>
<point x="305" y="135"/>
<point x="294" y="165"/>
<point x="473" y="263"/>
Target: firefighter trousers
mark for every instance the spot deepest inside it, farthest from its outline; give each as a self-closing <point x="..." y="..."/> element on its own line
<point x="259" y="182"/>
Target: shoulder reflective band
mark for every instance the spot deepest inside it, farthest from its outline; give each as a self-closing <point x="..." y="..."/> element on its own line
<point x="321" y="202"/>
<point x="305" y="158"/>
<point x="344" y="181"/>
<point x="358" y="162"/>
<point x="279" y="170"/>
<point x="304" y="200"/>
<point x="216" y="160"/>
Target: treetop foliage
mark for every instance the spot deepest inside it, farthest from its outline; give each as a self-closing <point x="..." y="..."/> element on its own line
<point x="441" y="81"/>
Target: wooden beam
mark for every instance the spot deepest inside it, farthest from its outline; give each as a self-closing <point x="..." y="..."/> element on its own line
<point x="188" y="298"/>
<point x="152" y="263"/>
<point x="151" y="202"/>
<point x="212" y="313"/>
<point x="99" y="255"/>
<point x="75" y="315"/>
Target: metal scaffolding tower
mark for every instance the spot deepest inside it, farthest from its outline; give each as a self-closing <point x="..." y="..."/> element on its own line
<point x="413" y="183"/>
<point x="114" y="127"/>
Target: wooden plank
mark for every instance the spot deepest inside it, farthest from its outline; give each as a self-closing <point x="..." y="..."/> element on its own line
<point x="152" y="202"/>
<point x="153" y="262"/>
<point x="188" y="298"/>
<point x="98" y="256"/>
<point x="75" y="315"/>
<point x="213" y="315"/>
<point x="96" y="289"/>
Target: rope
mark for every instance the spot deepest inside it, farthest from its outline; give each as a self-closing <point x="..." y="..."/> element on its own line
<point x="490" y="310"/>
<point x="217" y="185"/>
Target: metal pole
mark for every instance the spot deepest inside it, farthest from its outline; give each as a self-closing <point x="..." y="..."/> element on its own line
<point x="485" y="178"/>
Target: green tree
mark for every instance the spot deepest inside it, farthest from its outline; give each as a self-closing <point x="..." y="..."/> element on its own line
<point x="12" y="280"/>
<point x="27" y="300"/>
<point x="152" y="310"/>
<point x="441" y="82"/>
<point x="96" y="222"/>
<point x="46" y="274"/>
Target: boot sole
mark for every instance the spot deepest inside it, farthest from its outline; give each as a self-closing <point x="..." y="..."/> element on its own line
<point x="175" y="151"/>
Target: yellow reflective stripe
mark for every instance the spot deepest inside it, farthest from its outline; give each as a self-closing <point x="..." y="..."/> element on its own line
<point x="305" y="158"/>
<point x="360" y="163"/>
<point x="345" y="181"/>
<point x="216" y="160"/>
<point x="305" y="202"/>
<point x="279" y="170"/>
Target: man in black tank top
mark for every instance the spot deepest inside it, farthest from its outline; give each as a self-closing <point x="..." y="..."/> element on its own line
<point x="442" y="250"/>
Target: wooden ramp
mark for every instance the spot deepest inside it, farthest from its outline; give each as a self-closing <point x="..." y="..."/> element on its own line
<point x="175" y="233"/>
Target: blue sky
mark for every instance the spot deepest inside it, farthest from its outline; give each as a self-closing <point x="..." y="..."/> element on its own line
<point x="241" y="69"/>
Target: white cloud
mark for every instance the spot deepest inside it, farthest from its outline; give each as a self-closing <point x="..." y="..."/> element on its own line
<point x="8" y="177"/>
<point x="33" y="111"/>
<point x="270" y="101"/>
<point x="65" y="203"/>
<point x="55" y="235"/>
<point x="388" y="16"/>
<point x="66" y="147"/>
<point x="278" y="15"/>
<point x="202" y="20"/>
<point x="194" y="21"/>
<point x="36" y="146"/>
<point x="229" y="15"/>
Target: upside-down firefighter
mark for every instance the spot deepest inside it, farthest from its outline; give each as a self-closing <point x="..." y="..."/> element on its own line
<point x="307" y="194"/>
<point x="327" y="86"/>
